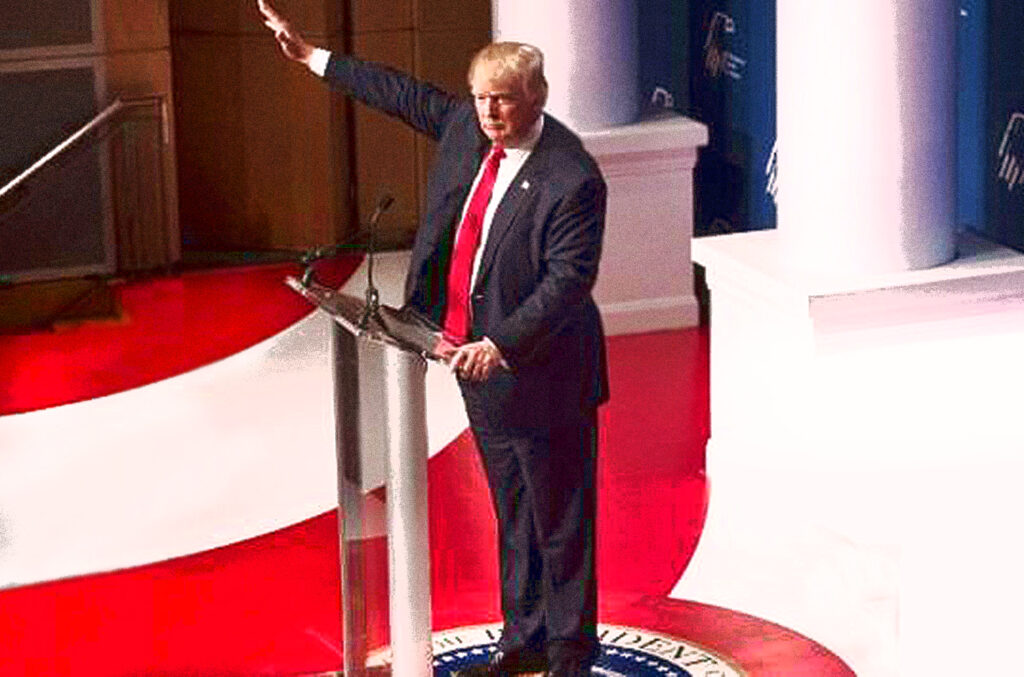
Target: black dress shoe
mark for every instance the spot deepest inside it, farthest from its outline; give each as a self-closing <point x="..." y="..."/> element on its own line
<point x="506" y="664"/>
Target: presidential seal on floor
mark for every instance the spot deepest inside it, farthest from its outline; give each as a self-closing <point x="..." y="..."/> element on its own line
<point x="625" y="652"/>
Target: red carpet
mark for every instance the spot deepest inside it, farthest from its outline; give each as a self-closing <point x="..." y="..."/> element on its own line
<point x="167" y="327"/>
<point x="269" y="606"/>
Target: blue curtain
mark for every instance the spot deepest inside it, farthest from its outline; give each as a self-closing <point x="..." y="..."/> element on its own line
<point x="999" y="103"/>
<point x="714" y="60"/>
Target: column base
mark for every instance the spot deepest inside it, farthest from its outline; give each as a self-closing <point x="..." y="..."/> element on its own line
<point x="865" y="444"/>
<point x="646" y="277"/>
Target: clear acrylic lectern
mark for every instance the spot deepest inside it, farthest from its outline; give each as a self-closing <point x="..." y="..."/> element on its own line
<point x="380" y="359"/>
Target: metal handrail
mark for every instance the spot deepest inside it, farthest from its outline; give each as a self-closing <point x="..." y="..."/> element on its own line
<point x="104" y="115"/>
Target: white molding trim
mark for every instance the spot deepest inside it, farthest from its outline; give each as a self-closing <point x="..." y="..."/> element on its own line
<point x="644" y="315"/>
<point x="648" y="163"/>
<point x="646" y="278"/>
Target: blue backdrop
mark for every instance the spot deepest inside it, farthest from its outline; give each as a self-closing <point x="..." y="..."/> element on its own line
<point x="714" y="60"/>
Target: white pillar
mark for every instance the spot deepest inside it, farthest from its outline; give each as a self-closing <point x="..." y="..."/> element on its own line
<point x="867" y="133"/>
<point x="843" y="420"/>
<point x="590" y="60"/>
<point x="856" y="383"/>
<point x="590" y="55"/>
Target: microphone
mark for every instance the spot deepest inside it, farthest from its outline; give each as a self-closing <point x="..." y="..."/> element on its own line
<point x="322" y="252"/>
<point x="372" y="295"/>
<point x="315" y="254"/>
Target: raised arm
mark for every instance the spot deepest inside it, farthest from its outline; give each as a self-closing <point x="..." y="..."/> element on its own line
<point x="419" y="104"/>
<point x="291" y="42"/>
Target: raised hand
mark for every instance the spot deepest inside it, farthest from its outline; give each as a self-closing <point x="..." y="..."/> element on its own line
<point x="291" y="42"/>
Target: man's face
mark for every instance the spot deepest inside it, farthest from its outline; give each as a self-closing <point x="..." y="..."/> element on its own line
<point x="505" y="111"/>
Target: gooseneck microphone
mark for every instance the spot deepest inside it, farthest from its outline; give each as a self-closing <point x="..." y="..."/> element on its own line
<point x="326" y="251"/>
<point x="372" y="295"/>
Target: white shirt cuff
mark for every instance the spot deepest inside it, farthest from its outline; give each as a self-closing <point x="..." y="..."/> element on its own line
<point x="318" y="62"/>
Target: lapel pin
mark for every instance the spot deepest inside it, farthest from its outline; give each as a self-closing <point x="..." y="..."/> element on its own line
<point x="525" y="185"/>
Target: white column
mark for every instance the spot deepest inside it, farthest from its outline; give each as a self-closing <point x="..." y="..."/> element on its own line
<point x="857" y="384"/>
<point x="590" y="60"/>
<point x="867" y="133"/>
<point x="590" y="55"/>
<point x="863" y="443"/>
<point x="646" y="278"/>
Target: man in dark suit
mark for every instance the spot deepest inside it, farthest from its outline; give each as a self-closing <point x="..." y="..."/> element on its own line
<point x="505" y="261"/>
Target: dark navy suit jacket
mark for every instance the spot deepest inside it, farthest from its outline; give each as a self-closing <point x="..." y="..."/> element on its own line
<point x="532" y="295"/>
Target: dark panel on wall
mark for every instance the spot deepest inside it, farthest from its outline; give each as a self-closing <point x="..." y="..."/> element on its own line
<point x="136" y="25"/>
<point x="471" y="16"/>
<point x="44" y="23"/>
<point x="732" y="90"/>
<point x="259" y="149"/>
<point x="714" y="60"/>
<point x="1004" y="124"/>
<point x="314" y="19"/>
<point x="41" y="108"/>
<point x="370" y="16"/>
<point x="57" y="220"/>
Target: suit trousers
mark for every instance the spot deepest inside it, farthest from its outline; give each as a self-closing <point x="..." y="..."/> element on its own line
<point x="542" y="479"/>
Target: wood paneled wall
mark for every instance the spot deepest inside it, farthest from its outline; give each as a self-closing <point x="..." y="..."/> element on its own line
<point x="269" y="157"/>
<point x="262" y="148"/>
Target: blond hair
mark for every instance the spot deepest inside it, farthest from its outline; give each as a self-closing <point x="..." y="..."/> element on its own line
<point x="515" y="60"/>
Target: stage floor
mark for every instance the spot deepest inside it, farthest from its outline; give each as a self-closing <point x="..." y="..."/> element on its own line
<point x="187" y="526"/>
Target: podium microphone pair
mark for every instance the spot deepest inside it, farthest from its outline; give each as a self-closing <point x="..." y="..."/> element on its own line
<point x="325" y="251"/>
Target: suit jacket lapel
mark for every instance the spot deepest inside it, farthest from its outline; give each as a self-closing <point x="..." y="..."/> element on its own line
<point x="504" y="215"/>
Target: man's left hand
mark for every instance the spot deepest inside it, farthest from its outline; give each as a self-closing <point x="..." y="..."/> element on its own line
<point x="475" y="361"/>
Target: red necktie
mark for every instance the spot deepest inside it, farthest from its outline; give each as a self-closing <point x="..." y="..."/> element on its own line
<point x="456" y="313"/>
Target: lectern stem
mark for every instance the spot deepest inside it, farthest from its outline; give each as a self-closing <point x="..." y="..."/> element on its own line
<point x="408" y="528"/>
<point x="380" y="403"/>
